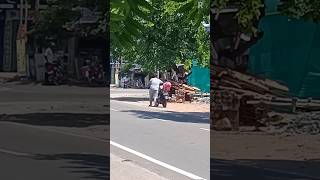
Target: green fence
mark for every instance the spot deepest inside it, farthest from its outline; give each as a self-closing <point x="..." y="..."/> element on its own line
<point x="200" y="78"/>
<point x="289" y="52"/>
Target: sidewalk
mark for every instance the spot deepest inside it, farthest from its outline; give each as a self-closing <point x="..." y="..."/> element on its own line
<point x="5" y="76"/>
<point x="123" y="170"/>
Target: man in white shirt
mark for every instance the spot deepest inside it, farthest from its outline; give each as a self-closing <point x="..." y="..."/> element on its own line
<point x="154" y="84"/>
<point x="48" y="54"/>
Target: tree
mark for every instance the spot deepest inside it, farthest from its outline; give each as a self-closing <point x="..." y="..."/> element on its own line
<point x="61" y="19"/>
<point x="166" y="40"/>
<point x="128" y="19"/>
<point x="301" y="9"/>
<point x="194" y="10"/>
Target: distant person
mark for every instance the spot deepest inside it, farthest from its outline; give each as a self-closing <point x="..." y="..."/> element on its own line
<point x="167" y="85"/>
<point x="174" y="75"/>
<point x="154" y="85"/>
<point x="48" y="54"/>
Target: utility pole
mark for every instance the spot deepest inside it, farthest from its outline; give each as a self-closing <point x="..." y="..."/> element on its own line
<point x="21" y="11"/>
<point x="21" y="41"/>
<point x="36" y="19"/>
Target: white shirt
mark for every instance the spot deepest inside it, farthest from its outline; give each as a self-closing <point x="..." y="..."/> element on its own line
<point x="49" y="54"/>
<point x="155" y="83"/>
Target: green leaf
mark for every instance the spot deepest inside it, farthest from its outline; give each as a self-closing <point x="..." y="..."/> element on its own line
<point x="116" y="17"/>
<point x="136" y="24"/>
<point x="179" y="1"/>
<point x="186" y="8"/>
<point x="144" y="3"/>
<point x="142" y="14"/>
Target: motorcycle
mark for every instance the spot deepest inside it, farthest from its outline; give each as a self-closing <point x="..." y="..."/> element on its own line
<point x="93" y="73"/>
<point x="126" y="83"/>
<point x="55" y="74"/>
<point x="139" y="84"/>
<point x="162" y="98"/>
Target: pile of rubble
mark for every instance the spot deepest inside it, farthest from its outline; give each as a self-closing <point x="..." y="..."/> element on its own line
<point x="245" y="84"/>
<point x="205" y="100"/>
<point x="182" y="92"/>
<point x="184" y="87"/>
<point x="239" y="99"/>
<point x="243" y="100"/>
<point x="303" y="123"/>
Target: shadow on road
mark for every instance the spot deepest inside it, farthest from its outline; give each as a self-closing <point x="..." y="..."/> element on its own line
<point x="260" y="169"/>
<point x="59" y="119"/>
<point x="130" y="99"/>
<point x="91" y="166"/>
<point x="190" y="117"/>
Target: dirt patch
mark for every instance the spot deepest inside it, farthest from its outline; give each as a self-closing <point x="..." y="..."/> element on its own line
<point x="189" y="107"/>
<point x="257" y="145"/>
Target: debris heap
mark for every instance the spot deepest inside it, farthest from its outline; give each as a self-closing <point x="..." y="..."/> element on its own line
<point x="240" y="99"/>
<point x="182" y="92"/>
<point x="302" y="123"/>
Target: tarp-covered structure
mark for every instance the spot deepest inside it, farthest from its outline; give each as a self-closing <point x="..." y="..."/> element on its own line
<point x="200" y="77"/>
<point x="288" y="52"/>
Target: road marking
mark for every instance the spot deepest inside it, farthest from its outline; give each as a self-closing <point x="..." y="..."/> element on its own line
<point x="165" y="165"/>
<point x="205" y="129"/>
<point x="114" y="110"/>
<point x="164" y="120"/>
<point x="14" y="153"/>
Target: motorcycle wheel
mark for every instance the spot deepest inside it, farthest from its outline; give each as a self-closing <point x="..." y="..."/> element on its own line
<point x="164" y="104"/>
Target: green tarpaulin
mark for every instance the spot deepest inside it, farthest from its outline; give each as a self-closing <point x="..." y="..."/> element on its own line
<point x="289" y="52"/>
<point x="200" y="78"/>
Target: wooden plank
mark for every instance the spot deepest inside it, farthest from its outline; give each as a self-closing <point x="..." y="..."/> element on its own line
<point x="248" y="82"/>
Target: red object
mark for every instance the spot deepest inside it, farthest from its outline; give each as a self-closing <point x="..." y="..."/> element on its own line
<point x="167" y="86"/>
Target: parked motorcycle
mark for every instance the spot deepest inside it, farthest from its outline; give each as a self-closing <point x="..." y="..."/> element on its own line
<point x="162" y="98"/>
<point x="93" y="73"/>
<point x="126" y="83"/>
<point x="55" y="73"/>
<point x="139" y="84"/>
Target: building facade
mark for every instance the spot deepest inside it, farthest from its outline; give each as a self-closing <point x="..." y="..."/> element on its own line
<point x="10" y="16"/>
<point x="75" y="49"/>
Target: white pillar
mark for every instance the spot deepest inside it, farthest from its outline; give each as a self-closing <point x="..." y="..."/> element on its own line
<point x="116" y="77"/>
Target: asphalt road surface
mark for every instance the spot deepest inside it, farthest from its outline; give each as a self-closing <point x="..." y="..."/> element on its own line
<point x="234" y="170"/>
<point x="53" y="133"/>
<point x="180" y="140"/>
<point x="49" y="135"/>
<point x="32" y="153"/>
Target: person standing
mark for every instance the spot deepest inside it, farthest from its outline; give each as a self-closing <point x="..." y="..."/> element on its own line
<point x="154" y="84"/>
<point x="48" y="54"/>
<point x="49" y="58"/>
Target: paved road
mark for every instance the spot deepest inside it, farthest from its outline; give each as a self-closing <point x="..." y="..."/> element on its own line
<point x="32" y="153"/>
<point x="178" y="139"/>
<point x="234" y="170"/>
<point x="53" y="133"/>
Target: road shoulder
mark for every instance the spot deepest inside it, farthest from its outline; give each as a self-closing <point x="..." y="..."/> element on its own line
<point x="123" y="169"/>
